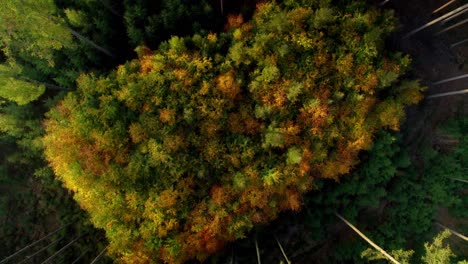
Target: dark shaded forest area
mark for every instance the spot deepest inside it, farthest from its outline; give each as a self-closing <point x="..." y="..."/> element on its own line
<point x="173" y="131"/>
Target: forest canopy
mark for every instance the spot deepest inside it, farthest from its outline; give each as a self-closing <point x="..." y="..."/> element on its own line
<point x="191" y="145"/>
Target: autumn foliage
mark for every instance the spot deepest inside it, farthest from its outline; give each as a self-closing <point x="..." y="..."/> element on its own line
<point x="189" y="146"/>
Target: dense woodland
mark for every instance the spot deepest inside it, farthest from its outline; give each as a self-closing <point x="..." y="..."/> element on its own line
<point x="173" y="131"/>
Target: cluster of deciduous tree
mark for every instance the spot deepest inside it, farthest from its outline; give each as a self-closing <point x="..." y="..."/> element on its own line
<point x="190" y="146"/>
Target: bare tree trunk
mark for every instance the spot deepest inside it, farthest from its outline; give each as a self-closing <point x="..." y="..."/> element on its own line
<point x="453" y="232"/>
<point x="47" y="85"/>
<point x="40" y="250"/>
<point x="106" y="4"/>
<point x="384" y="2"/>
<point x="62" y="249"/>
<point x="91" y="43"/>
<point x="435" y="21"/>
<point x="99" y="256"/>
<point x="282" y="251"/>
<point x="443" y="6"/>
<point x="368" y="240"/>
<point x="86" y="40"/>
<point x="454" y="16"/>
<point x="460" y="180"/>
<point x="452" y="26"/>
<point x="80" y="257"/>
<point x="458" y="43"/>
<point x="32" y="244"/>
<point x="258" y="252"/>
<point x="451" y="79"/>
<point x="55" y="87"/>
<point x="447" y="94"/>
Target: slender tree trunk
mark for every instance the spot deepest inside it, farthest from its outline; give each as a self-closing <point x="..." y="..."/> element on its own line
<point x="435" y="21"/>
<point x="451" y="79"/>
<point x="282" y="251"/>
<point x="106" y="4"/>
<point x="80" y="257"/>
<point x="447" y="94"/>
<point x="460" y="180"/>
<point x="47" y="85"/>
<point x="91" y="43"/>
<point x="40" y="250"/>
<point x="458" y="43"/>
<point x="443" y="6"/>
<point x="453" y="232"/>
<point x="99" y="256"/>
<point x="32" y="244"/>
<point x="383" y="2"/>
<point x="452" y="26"/>
<point x="55" y="87"/>
<point x="367" y="239"/>
<point x="63" y="249"/>
<point x="84" y="39"/>
<point x="258" y="252"/>
<point x="454" y="16"/>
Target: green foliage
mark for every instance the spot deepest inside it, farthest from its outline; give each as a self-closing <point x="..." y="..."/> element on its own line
<point x="414" y="196"/>
<point x="188" y="147"/>
<point x="151" y="22"/>
<point x="401" y="256"/>
<point x="294" y="155"/>
<point x="31" y="32"/>
<point x="76" y="18"/>
<point x="365" y="188"/>
<point x="21" y="123"/>
<point x="31" y="35"/>
<point x="38" y="53"/>
<point x="436" y="252"/>
<point x="36" y="40"/>
<point x="13" y="88"/>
